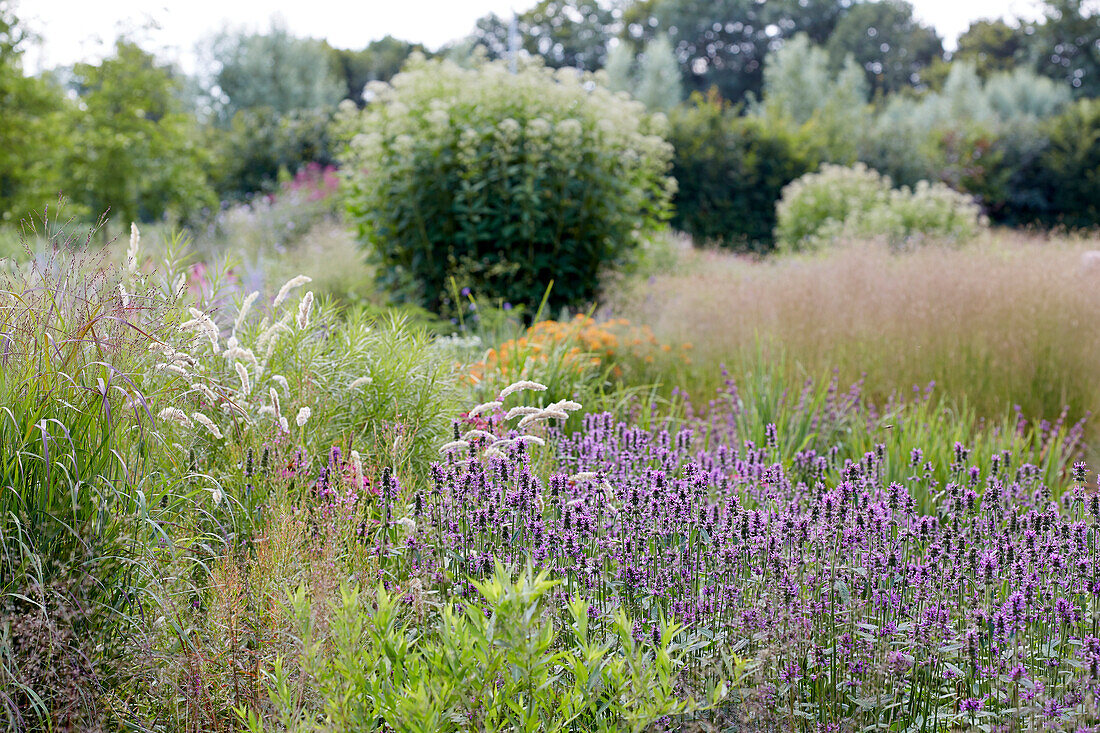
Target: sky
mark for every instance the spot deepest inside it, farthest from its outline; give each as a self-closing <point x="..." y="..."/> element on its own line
<point x="77" y="30"/>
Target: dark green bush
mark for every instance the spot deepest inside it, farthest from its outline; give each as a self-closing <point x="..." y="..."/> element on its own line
<point x="730" y="171"/>
<point x="261" y="144"/>
<point x="502" y="181"/>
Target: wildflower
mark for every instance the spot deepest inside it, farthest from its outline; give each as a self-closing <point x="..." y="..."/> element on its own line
<point x="303" y="416"/>
<point x="246" y="386"/>
<point x="483" y="408"/>
<point x="175" y="415"/>
<point x="207" y="423"/>
<point x="453" y="445"/>
<point x="243" y="312"/>
<point x="132" y="251"/>
<point x="360" y="382"/>
<point x="304" y="308"/>
<point x="290" y="284"/>
<point x="520" y="386"/>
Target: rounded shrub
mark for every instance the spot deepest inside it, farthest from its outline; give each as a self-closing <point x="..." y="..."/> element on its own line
<point x="858" y="203"/>
<point x="501" y="182"/>
<point x="819" y="204"/>
<point x="730" y="171"/>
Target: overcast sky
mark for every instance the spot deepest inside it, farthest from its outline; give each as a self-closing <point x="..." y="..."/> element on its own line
<point x="74" y="30"/>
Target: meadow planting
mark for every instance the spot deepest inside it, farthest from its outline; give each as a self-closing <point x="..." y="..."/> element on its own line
<point x="517" y="392"/>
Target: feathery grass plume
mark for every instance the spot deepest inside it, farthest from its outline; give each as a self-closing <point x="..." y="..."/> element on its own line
<point x="125" y="297"/>
<point x="304" y="309"/>
<point x="280" y="380"/>
<point x="284" y="424"/>
<point x="522" y="411"/>
<point x="303" y="416"/>
<point x="290" y="284"/>
<point x="176" y="415"/>
<point x="246" y="386"/>
<point x="180" y="286"/>
<point x="275" y="403"/>
<point x="267" y="338"/>
<point x="207" y="423"/>
<point x="453" y="445"/>
<point x="217" y="495"/>
<point x="204" y="323"/>
<point x="360" y="382"/>
<point x="205" y="392"/>
<point x="502" y="443"/>
<point x="174" y="368"/>
<point x="245" y="307"/>
<point x="566" y="405"/>
<point x="473" y="435"/>
<point x="484" y="407"/>
<point x="132" y="251"/>
<point x="532" y="439"/>
<point x="357" y="469"/>
<point x="520" y="386"/>
<point x="585" y="476"/>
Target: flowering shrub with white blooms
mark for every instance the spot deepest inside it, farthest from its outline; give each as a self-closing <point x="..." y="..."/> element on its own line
<point x="503" y="181"/>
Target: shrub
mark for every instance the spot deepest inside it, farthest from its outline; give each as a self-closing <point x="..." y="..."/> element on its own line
<point x="1068" y="170"/>
<point x="499" y="661"/>
<point x="858" y="202"/>
<point x="502" y="181"/>
<point x="730" y="171"/>
<point x="819" y="204"/>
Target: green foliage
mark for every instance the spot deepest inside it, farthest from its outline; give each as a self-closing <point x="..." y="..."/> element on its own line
<point x="502" y="181"/>
<point x="260" y="145"/>
<point x="800" y="88"/>
<point x="888" y="42"/>
<point x="1067" y="45"/>
<point x="275" y="70"/>
<point x="501" y="662"/>
<point x="564" y="33"/>
<point x="31" y="130"/>
<point x="132" y="149"/>
<point x="379" y="61"/>
<point x="731" y="170"/>
<point x="659" y="86"/>
<point x="723" y="44"/>
<point x="858" y="202"/>
<point x="993" y="46"/>
<point x="1067" y="172"/>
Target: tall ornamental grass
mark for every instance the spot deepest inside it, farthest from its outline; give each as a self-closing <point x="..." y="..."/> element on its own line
<point x="1004" y="322"/>
<point x="81" y="489"/>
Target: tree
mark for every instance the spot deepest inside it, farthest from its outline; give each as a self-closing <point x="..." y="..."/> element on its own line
<point x="1067" y="44"/>
<point x="31" y="129"/>
<point x="275" y="70"/>
<point x="565" y="33"/>
<point x="379" y="61"/>
<point x="800" y="87"/>
<point x="888" y="42"/>
<point x="722" y="43"/>
<point x="659" y="86"/>
<point x="993" y="46"/>
<point x="134" y="151"/>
